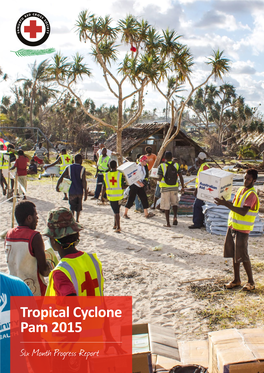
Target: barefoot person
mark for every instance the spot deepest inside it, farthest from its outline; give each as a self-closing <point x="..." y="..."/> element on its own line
<point x="244" y="209"/>
<point x="169" y="187"/>
<point x="21" y="166"/>
<point x="76" y="173"/>
<point x="113" y="185"/>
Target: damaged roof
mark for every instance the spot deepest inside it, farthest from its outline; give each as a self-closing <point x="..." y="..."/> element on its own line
<point x="134" y="135"/>
<point x="139" y="132"/>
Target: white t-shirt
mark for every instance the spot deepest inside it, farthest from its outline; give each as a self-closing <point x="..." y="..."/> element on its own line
<point x="108" y="152"/>
<point x="142" y="174"/>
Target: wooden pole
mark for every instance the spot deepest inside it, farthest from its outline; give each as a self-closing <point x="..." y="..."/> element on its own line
<point x="8" y="194"/>
<point x="14" y="202"/>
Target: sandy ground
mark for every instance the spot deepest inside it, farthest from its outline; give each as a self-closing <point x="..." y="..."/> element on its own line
<point x="158" y="281"/>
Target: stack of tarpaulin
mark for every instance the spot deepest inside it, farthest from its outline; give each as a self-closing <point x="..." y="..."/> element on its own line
<point x="216" y="219"/>
<point x="186" y="202"/>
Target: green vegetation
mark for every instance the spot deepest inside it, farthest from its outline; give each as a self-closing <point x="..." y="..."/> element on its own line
<point x="224" y="308"/>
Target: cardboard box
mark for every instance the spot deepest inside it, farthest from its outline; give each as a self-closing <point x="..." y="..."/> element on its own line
<point x="141" y="363"/>
<point x="130" y="171"/>
<point x="162" y="363"/>
<point x="214" y="183"/>
<point x="154" y="173"/>
<point x="194" y="352"/>
<point x="236" y="351"/>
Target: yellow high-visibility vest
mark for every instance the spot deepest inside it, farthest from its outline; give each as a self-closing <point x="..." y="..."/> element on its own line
<point x="113" y="184"/>
<point x="66" y="159"/>
<point x="239" y="222"/>
<point x="81" y="271"/>
<point x="103" y="163"/>
<point x="200" y="169"/>
<point x="164" y="168"/>
<point x="1" y="160"/>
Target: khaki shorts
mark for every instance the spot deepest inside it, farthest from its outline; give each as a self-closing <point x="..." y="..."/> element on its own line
<point x="169" y="199"/>
<point x="22" y="181"/>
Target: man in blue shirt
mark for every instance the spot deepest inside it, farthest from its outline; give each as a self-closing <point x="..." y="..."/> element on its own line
<point x="9" y="286"/>
<point x="76" y="173"/>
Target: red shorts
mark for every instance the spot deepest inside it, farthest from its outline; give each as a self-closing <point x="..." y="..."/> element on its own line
<point x="38" y="160"/>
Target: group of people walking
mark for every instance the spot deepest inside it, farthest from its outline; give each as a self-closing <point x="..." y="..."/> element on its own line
<point x="80" y="273"/>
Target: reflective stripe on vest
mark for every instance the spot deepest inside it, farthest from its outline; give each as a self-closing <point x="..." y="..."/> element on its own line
<point x="200" y="169"/>
<point x="1" y="160"/>
<point x="66" y="159"/>
<point x="72" y="274"/>
<point x="113" y="183"/>
<point x="76" y="270"/>
<point x="103" y="163"/>
<point x="239" y="222"/>
<point x="164" y="169"/>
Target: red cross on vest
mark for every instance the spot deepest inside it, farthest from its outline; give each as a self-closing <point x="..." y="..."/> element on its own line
<point x="33" y="29"/>
<point x="67" y="159"/>
<point x="89" y="285"/>
<point x="113" y="181"/>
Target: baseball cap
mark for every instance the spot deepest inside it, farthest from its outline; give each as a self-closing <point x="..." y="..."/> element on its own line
<point x="143" y="158"/>
<point x="202" y="155"/>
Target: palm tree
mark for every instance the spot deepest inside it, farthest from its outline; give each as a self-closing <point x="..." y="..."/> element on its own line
<point x="36" y="83"/>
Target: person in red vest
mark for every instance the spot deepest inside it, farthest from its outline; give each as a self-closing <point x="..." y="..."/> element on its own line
<point x="21" y="166"/>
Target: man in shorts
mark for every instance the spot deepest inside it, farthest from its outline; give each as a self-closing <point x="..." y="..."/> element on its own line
<point x="76" y="173"/>
<point x="169" y="193"/>
<point x="244" y="210"/>
<point x="114" y="182"/>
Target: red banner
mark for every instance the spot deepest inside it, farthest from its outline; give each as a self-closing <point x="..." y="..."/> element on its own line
<point x="71" y="334"/>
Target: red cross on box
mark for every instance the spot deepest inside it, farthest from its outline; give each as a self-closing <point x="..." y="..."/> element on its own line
<point x="33" y="29"/>
<point x="89" y="285"/>
<point x="113" y="181"/>
<point x="67" y="159"/>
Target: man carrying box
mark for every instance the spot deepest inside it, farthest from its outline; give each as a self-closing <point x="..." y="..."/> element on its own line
<point x="168" y="175"/>
<point x="244" y="210"/>
<point x="198" y="216"/>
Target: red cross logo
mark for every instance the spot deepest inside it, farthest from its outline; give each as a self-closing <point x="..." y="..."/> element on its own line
<point x="113" y="181"/>
<point x="67" y="159"/>
<point x="89" y="285"/>
<point x="33" y="29"/>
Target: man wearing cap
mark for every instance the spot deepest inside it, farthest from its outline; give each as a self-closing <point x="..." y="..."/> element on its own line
<point x="77" y="273"/>
<point x="198" y="216"/>
<point x="169" y="193"/>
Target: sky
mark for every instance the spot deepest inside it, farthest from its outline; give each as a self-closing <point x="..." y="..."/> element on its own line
<point x="237" y="27"/>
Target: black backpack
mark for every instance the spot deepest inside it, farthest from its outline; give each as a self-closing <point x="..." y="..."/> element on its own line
<point x="171" y="174"/>
<point x="188" y="369"/>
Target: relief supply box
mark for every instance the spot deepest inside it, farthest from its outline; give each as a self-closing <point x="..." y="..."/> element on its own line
<point x="214" y="183"/>
<point x="130" y="171"/>
<point x="236" y="351"/>
<point x="154" y="173"/>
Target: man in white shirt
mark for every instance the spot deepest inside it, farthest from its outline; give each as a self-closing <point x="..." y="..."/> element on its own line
<point x="99" y="151"/>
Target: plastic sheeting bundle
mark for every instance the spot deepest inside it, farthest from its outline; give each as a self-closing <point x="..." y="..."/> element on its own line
<point x="216" y="219"/>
